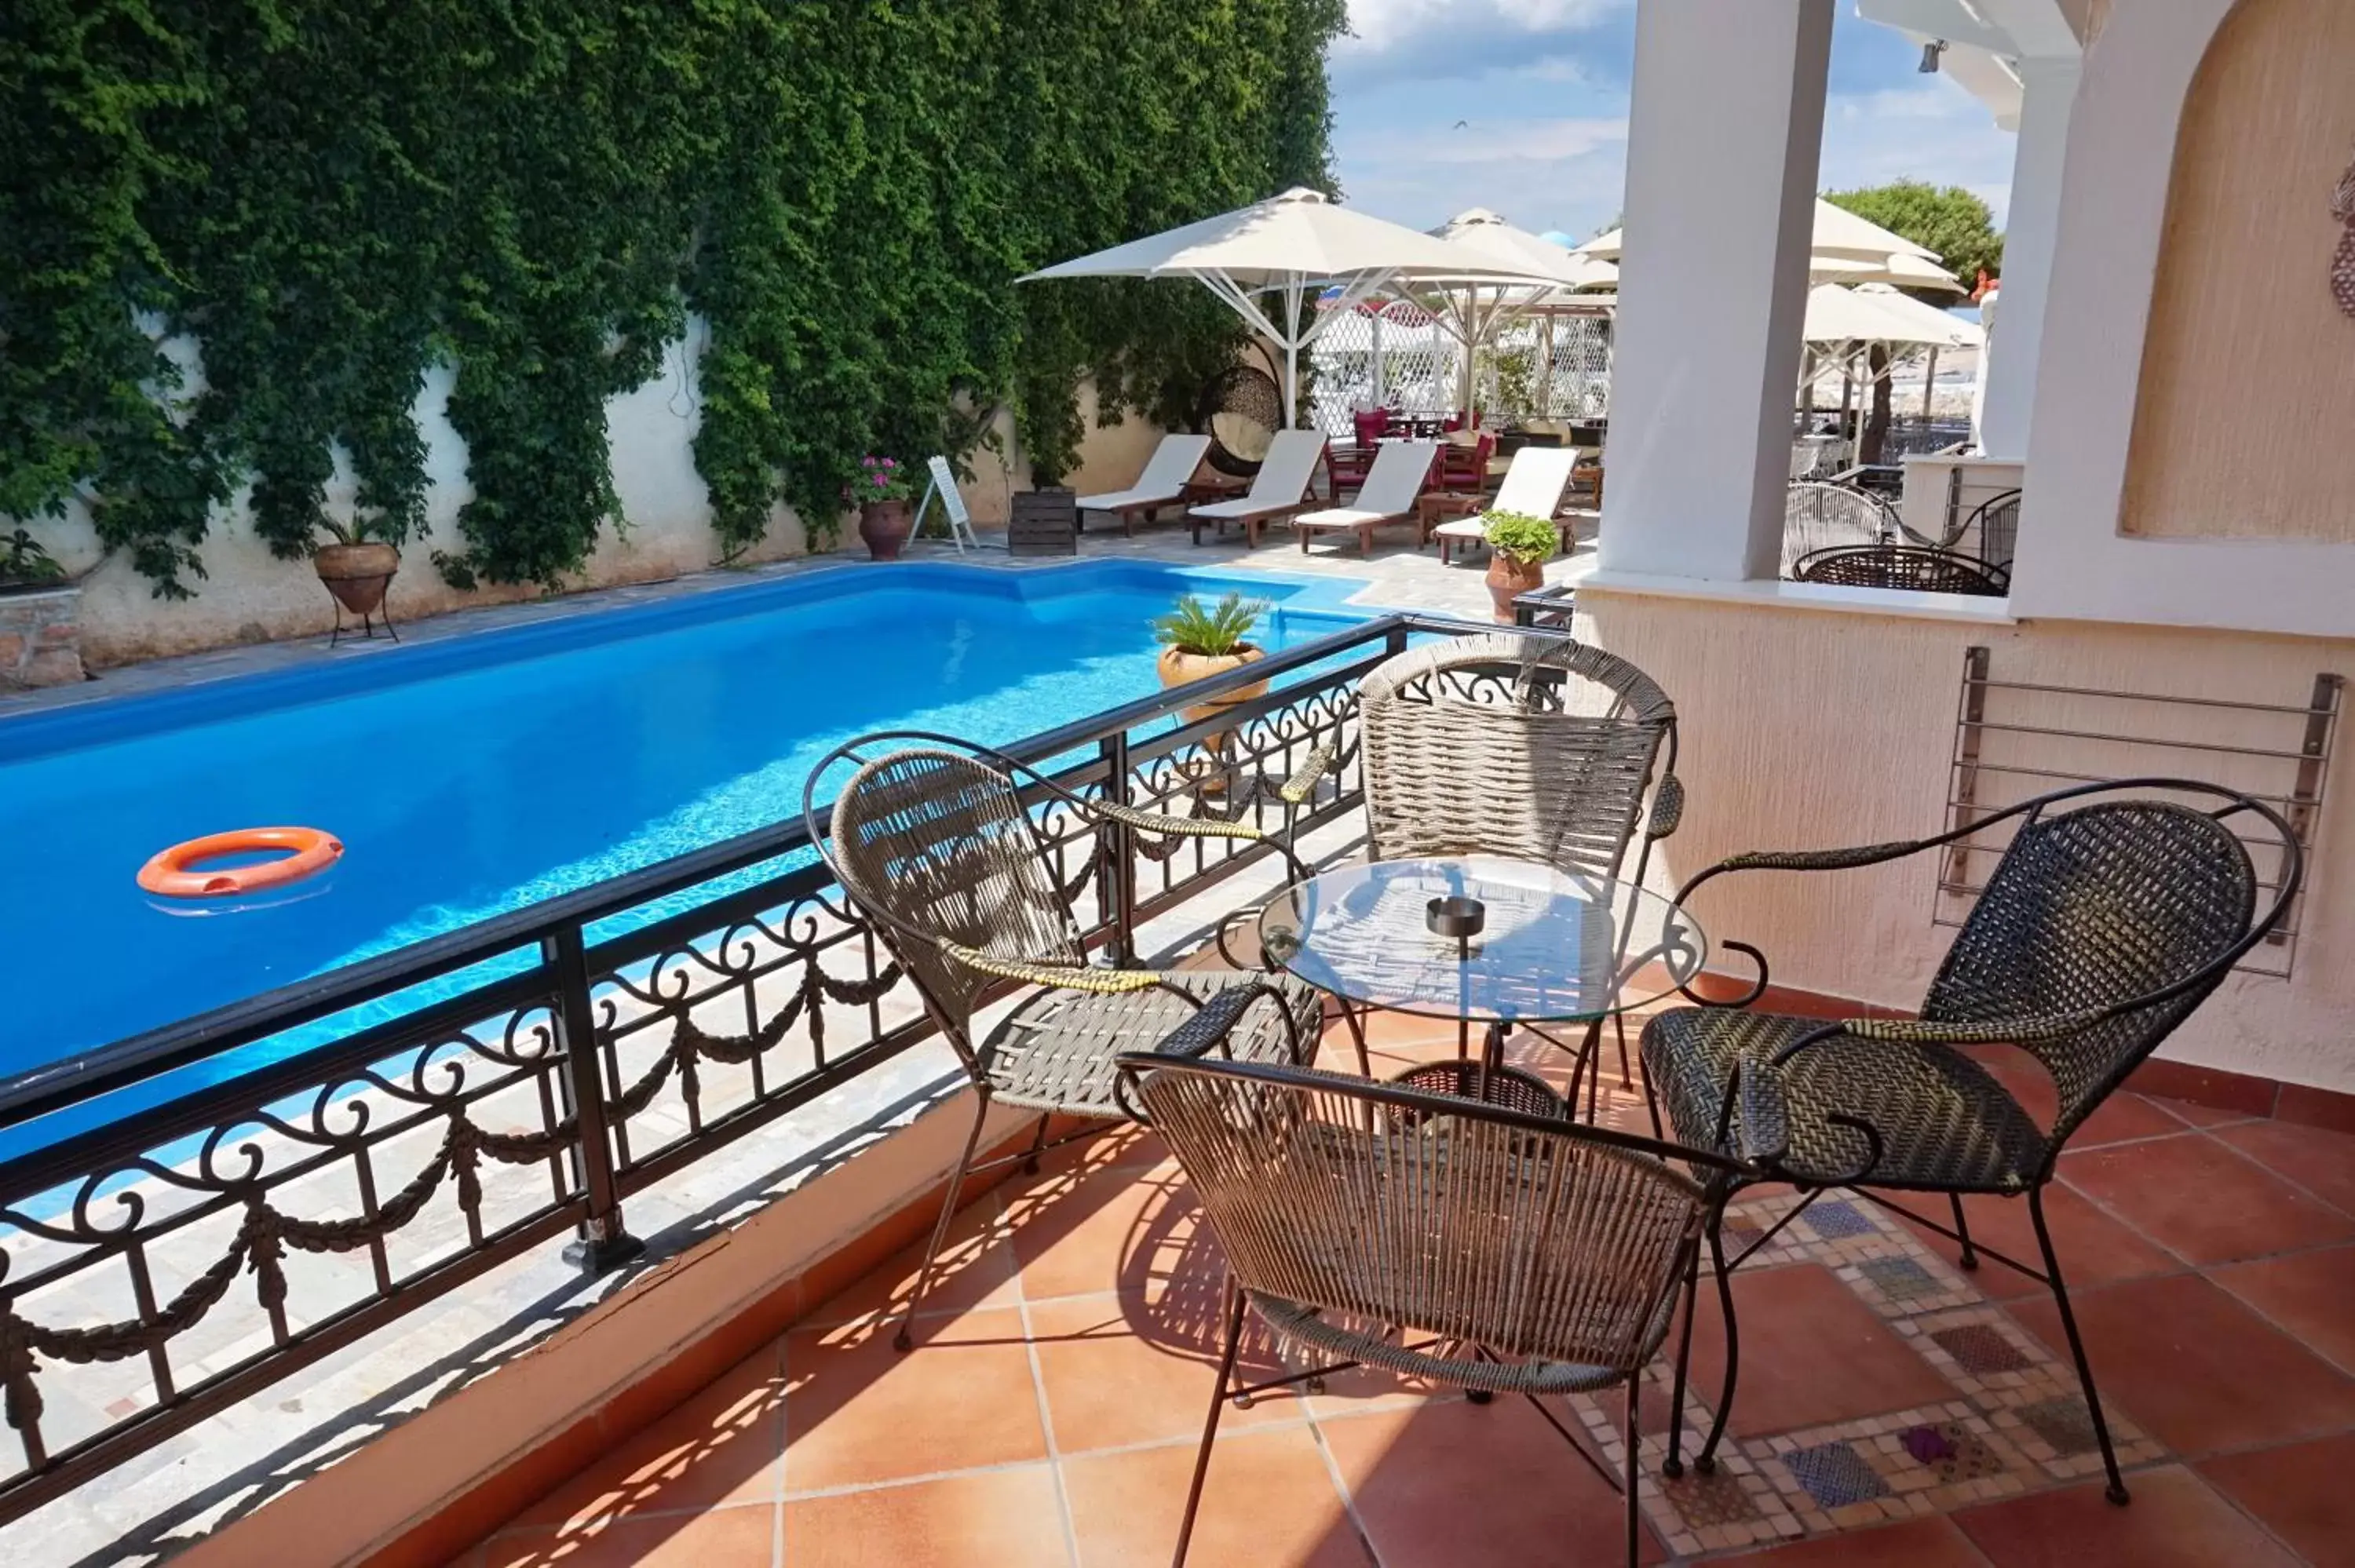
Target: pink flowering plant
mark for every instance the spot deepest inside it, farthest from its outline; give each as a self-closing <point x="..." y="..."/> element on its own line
<point x="881" y="479"/>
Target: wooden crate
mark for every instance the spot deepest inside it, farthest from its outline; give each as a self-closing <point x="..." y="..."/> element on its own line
<point x="1043" y="522"/>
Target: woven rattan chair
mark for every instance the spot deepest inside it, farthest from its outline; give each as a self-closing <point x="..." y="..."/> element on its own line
<point x="1518" y="744"/>
<point x="932" y="839"/>
<point x="1468" y="1244"/>
<point x="1902" y="566"/>
<point x="1817" y="517"/>
<point x="2100" y="929"/>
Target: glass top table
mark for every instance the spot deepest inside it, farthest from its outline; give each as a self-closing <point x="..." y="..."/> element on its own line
<point x="1551" y="946"/>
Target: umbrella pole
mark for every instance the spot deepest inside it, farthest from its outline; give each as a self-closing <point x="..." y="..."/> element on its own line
<point x="1292" y="354"/>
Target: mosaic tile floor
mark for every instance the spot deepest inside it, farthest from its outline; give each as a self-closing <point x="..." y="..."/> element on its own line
<point x="1893" y="1407"/>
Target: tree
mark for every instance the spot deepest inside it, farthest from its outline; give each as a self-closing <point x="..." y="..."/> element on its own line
<point x="1950" y="221"/>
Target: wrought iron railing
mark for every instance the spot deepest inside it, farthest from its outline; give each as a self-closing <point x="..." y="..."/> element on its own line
<point x="444" y="1109"/>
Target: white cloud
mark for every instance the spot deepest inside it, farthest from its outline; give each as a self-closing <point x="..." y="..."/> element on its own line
<point x="1378" y="25"/>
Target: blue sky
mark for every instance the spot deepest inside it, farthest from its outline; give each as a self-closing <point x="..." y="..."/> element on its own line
<point x="1542" y="88"/>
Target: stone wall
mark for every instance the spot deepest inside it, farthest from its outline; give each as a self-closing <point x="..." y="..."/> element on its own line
<point x="41" y="638"/>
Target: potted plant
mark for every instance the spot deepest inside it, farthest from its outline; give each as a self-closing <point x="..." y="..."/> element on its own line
<point x="1519" y="548"/>
<point x="882" y="488"/>
<point x="358" y="566"/>
<point x="1198" y="640"/>
<point x="25" y="565"/>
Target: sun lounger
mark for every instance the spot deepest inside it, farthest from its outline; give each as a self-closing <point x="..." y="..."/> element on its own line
<point x="1279" y="490"/>
<point x="1163" y="483"/>
<point x="1387" y="496"/>
<point x="1534" y="486"/>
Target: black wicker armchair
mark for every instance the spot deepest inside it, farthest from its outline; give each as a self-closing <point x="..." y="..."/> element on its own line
<point x="2099" y="931"/>
<point x="1473" y="1245"/>
<point x="1902" y="566"/>
<point x="932" y="838"/>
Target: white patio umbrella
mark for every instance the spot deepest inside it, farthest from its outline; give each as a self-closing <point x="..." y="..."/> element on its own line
<point x="1293" y="247"/>
<point x="1896" y="271"/>
<point x="1509" y="272"/>
<point x="1844" y="323"/>
<point x="1838" y="234"/>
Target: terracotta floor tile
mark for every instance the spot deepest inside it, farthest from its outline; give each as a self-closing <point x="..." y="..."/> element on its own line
<point x="2095" y="1248"/>
<point x="1268" y="1502"/>
<point x="1119" y="1371"/>
<point x="977" y="1269"/>
<point x="1453" y="1483"/>
<point x="857" y="1411"/>
<point x="2124" y="1116"/>
<point x="2196" y="1114"/>
<point x="2309" y="1295"/>
<point x="1932" y="1543"/>
<point x="2176" y="1521"/>
<point x="2200" y="1199"/>
<point x="719" y="1446"/>
<point x="1812" y="1354"/>
<point x="994" y="1519"/>
<point x="2198" y="1371"/>
<point x="1124" y="1228"/>
<point x="2300" y="1493"/>
<point x="723" y="1538"/>
<point x="2321" y="1161"/>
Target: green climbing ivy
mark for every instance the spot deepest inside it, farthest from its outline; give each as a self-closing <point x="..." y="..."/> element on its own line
<point x="331" y="198"/>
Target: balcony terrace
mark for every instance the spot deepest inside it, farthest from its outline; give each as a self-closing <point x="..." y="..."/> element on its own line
<point x="1894" y="1408"/>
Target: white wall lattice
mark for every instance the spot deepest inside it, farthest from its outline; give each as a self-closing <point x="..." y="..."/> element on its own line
<point x="1538" y="367"/>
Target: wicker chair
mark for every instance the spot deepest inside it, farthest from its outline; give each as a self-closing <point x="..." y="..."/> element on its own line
<point x="1523" y="745"/>
<point x="1817" y="517"/>
<point x="1902" y="566"/>
<point x="931" y="837"/>
<point x="2100" y="930"/>
<point x="1382" y="1225"/>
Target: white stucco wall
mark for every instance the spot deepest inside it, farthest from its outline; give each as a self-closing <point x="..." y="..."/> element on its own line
<point x="250" y="596"/>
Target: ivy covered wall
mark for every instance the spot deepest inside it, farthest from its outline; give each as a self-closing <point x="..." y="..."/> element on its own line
<point x="329" y="196"/>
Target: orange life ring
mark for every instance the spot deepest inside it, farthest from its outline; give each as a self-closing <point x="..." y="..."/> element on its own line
<point x="167" y="872"/>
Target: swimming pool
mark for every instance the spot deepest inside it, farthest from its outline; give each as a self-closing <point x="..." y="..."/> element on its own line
<point x="481" y="774"/>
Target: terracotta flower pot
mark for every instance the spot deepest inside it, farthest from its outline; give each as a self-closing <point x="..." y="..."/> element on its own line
<point x="1509" y="579"/>
<point x="1178" y="667"/>
<point x="357" y="574"/>
<point x="885" y="525"/>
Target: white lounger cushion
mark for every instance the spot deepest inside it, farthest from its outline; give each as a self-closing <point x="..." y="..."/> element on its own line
<point x="1534" y="484"/>
<point x="1283" y="477"/>
<point x="1392" y="484"/>
<point x="1165" y="478"/>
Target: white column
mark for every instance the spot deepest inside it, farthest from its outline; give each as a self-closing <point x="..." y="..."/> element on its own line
<point x="2048" y="89"/>
<point x="1725" y="125"/>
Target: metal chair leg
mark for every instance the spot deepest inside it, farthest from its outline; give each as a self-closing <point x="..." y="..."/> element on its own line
<point x="2117" y="1491"/>
<point x="903" y="1339"/>
<point x="1626" y="1068"/>
<point x="1210" y="1422"/>
<point x="1674" y="1465"/>
<point x="1358" y="1038"/>
<point x="1970" y="1257"/>
<point x="1635" y="1476"/>
<point x="1706" y="1460"/>
<point x="1037" y="1143"/>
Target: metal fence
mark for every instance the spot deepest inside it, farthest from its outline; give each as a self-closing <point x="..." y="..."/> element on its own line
<point x="575" y="1053"/>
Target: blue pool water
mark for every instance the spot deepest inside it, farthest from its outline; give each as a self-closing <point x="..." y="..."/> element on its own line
<point x="476" y="776"/>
